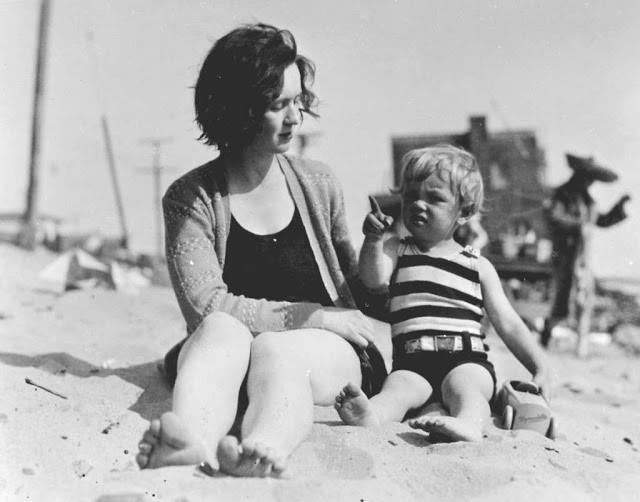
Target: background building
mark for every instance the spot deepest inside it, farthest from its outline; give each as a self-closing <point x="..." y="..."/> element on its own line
<point x="512" y="166"/>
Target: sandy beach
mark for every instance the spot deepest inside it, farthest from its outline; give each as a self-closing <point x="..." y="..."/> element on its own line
<point x="97" y="350"/>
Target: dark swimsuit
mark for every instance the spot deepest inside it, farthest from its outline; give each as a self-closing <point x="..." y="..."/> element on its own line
<point x="281" y="267"/>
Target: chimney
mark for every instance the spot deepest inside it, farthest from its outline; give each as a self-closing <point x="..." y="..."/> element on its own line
<point x="479" y="144"/>
<point x="478" y="132"/>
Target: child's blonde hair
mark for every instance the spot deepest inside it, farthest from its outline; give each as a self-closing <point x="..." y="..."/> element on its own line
<point x="466" y="180"/>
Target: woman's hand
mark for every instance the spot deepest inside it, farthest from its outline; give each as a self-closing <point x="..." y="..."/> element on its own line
<point x="350" y="324"/>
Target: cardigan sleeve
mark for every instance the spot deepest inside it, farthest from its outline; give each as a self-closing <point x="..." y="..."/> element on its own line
<point x="340" y="234"/>
<point x="196" y="272"/>
<point x="372" y="303"/>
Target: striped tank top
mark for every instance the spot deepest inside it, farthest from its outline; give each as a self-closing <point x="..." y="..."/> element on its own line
<point x="435" y="296"/>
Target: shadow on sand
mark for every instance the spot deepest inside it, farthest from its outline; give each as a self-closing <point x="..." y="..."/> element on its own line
<point x="156" y="390"/>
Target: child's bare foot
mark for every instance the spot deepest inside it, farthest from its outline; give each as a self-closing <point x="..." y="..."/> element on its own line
<point x="167" y="442"/>
<point x="248" y="459"/>
<point x="451" y="428"/>
<point x="354" y="407"/>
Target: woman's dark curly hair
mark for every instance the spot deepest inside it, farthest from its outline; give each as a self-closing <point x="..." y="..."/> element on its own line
<point x="240" y="77"/>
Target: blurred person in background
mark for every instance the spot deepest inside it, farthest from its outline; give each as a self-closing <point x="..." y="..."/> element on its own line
<point x="572" y="215"/>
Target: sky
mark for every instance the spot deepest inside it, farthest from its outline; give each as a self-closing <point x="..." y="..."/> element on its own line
<point x="567" y="70"/>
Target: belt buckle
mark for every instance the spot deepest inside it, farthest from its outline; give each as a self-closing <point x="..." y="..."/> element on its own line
<point x="445" y="342"/>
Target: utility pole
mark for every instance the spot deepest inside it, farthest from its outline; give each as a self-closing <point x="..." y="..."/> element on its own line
<point x="106" y="135"/>
<point x="156" y="170"/>
<point x="27" y="236"/>
<point x="124" y="239"/>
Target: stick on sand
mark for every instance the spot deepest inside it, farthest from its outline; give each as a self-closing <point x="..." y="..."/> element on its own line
<point x="31" y="382"/>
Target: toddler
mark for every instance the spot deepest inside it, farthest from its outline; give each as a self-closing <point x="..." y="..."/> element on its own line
<point x="438" y="293"/>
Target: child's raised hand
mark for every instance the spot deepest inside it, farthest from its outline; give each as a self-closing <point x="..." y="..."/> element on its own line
<point x="376" y="222"/>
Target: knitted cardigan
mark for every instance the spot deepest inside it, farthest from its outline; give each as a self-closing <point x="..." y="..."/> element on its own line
<point x="197" y="218"/>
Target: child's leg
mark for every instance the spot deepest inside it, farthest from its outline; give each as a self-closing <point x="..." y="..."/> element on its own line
<point x="402" y="391"/>
<point x="290" y="372"/>
<point x="466" y="391"/>
<point x="211" y="366"/>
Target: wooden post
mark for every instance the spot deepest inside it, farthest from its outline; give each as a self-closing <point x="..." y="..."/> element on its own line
<point x="116" y="186"/>
<point x="27" y="237"/>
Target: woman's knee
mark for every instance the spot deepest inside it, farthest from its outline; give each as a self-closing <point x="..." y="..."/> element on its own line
<point x="220" y="326"/>
<point x="271" y="346"/>
<point x="218" y="332"/>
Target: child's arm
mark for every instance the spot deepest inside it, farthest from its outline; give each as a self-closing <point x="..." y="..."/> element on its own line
<point x="378" y="252"/>
<point x="511" y="328"/>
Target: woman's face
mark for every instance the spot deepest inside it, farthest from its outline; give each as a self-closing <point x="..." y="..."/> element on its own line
<point x="282" y="116"/>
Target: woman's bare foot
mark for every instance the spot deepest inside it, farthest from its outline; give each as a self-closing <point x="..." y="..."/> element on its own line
<point x="451" y="428"/>
<point x="354" y="407"/>
<point x="167" y="442"/>
<point x="248" y="459"/>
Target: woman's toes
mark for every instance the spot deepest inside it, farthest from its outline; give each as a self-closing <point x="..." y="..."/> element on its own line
<point x="150" y="437"/>
<point x="155" y="426"/>
<point x="142" y="460"/>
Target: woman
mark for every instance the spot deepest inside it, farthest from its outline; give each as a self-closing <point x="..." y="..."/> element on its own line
<point x="263" y="270"/>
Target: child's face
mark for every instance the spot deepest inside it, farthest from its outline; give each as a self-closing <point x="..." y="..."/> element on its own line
<point x="430" y="211"/>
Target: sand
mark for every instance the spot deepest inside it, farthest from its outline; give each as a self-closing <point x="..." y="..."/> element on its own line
<point x="100" y="348"/>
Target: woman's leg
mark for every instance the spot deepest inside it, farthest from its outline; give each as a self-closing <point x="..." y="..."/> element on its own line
<point x="290" y="372"/>
<point x="211" y="367"/>
<point x="402" y="391"/>
<point x="466" y="392"/>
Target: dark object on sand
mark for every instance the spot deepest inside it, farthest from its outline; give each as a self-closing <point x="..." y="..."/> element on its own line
<point x="31" y="382"/>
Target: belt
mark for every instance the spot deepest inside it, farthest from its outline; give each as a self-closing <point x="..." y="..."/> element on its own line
<point x="443" y="343"/>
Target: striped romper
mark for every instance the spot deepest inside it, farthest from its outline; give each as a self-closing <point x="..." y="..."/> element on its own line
<point x="435" y="311"/>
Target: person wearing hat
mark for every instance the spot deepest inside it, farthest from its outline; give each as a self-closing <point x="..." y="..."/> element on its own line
<point x="571" y="215"/>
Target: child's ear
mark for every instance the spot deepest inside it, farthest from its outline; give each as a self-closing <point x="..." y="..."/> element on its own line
<point x="462" y="220"/>
<point x="464" y="216"/>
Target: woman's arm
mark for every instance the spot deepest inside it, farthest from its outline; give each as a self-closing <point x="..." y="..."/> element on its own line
<point x="192" y="239"/>
<point x="511" y="328"/>
<point x="347" y="322"/>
